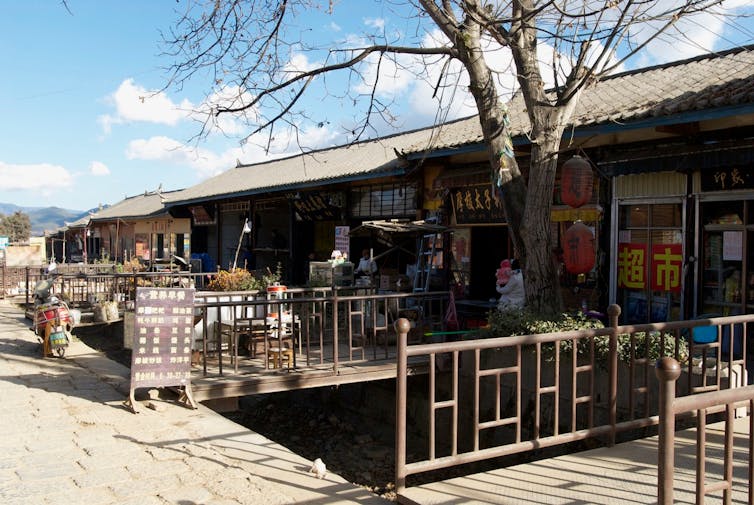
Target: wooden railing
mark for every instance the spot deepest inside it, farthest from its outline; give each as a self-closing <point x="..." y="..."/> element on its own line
<point x="493" y="397"/>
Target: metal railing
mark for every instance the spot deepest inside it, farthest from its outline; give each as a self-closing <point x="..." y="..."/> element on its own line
<point x="494" y="397"/>
<point x="333" y="327"/>
<point x="91" y="285"/>
<point x="668" y="371"/>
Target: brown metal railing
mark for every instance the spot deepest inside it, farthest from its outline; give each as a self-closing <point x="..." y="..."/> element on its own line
<point x="325" y="326"/>
<point x="668" y="370"/>
<point x="494" y="397"/>
<point x="100" y="283"/>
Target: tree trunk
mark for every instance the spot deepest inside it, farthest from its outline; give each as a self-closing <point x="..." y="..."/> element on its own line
<point x="527" y="206"/>
<point x="542" y="283"/>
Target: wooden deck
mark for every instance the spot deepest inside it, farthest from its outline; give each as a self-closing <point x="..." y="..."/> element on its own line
<point x="252" y="376"/>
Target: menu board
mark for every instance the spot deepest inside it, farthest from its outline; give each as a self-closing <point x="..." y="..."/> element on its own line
<point x="163" y="328"/>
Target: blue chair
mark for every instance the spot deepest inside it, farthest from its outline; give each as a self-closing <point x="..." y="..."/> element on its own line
<point x="708" y="334"/>
<point x="704" y="334"/>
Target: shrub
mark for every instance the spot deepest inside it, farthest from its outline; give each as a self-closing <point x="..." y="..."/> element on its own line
<point x="652" y="345"/>
<point x="525" y="322"/>
<point x="240" y="279"/>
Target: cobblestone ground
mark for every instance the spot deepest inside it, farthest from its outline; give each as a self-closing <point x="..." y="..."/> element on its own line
<point x="67" y="438"/>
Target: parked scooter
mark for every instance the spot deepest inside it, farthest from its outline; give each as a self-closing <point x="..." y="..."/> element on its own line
<point x="52" y="319"/>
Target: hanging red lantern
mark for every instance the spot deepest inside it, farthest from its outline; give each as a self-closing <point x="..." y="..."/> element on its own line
<point x="576" y="182"/>
<point x="578" y="248"/>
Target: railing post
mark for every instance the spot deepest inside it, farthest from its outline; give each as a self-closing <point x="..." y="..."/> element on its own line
<point x="335" y="329"/>
<point x="27" y="285"/>
<point x="402" y="326"/>
<point x="613" y="312"/>
<point x="667" y="371"/>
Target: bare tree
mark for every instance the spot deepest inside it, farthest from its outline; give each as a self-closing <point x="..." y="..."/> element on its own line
<point x="249" y="45"/>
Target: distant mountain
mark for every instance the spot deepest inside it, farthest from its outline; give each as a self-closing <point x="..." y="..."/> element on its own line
<point x="44" y="219"/>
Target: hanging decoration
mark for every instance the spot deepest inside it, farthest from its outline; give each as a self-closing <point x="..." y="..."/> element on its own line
<point x="576" y="182"/>
<point x="578" y="248"/>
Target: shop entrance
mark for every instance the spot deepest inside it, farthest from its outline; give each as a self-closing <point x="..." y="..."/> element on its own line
<point x="489" y="246"/>
<point x="727" y="266"/>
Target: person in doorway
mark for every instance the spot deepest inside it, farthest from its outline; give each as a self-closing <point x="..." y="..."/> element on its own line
<point x="512" y="294"/>
<point x="367" y="266"/>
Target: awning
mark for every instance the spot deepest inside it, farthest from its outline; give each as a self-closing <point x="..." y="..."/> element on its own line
<point x="396" y="226"/>
<point x="397" y="234"/>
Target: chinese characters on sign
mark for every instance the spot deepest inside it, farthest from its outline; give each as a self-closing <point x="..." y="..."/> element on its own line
<point x="725" y="179"/>
<point x="475" y="204"/>
<point x="342" y="238"/>
<point x="665" y="266"/>
<point x="667" y="263"/>
<point x="163" y="329"/>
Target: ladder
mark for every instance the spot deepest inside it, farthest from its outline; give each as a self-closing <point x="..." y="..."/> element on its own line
<point x="429" y="246"/>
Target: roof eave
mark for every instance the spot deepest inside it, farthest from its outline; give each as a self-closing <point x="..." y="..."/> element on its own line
<point x="600" y="129"/>
<point x="397" y="171"/>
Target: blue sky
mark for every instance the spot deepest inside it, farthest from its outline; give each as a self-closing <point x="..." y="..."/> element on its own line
<point x="82" y="126"/>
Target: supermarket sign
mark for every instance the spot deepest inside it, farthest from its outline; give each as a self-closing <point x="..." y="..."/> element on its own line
<point x="660" y="267"/>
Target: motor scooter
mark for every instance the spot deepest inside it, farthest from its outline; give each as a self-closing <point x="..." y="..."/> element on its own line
<point x="52" y="320"/>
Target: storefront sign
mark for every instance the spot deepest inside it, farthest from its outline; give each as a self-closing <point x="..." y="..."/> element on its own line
<point x="667" y="265"/>
<point x="726" y="179"/>
<point x="163" y="329"/>
<point x="632" y="266"/>
<point x="201" y="216"/>
<point x="316" y="206"/>
<point x="475" y="204"/>
<point x="342" y="239"/>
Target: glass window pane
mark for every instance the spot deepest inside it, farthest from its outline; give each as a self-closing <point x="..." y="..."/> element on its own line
<point x="666" y="215"/>
<point x="633" y="216"/>
<point x="723" y="212"/>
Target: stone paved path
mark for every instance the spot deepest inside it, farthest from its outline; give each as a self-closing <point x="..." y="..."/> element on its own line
<point x="66" y="438"/>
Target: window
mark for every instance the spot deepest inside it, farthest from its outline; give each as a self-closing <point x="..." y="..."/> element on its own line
<point x="650" y="261"/>
<point x="384" y="201"/>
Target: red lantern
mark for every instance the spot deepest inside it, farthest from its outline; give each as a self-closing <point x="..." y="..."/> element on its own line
<point x="576" y="182"/>
<point x="578" y="248"/>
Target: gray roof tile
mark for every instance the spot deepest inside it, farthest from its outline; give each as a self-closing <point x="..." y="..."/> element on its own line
<point x="709" y="81"/>
<point x="150" y="204"/>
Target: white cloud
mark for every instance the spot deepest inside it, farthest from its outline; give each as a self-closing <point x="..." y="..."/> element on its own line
<point x="227" y="123"/>
<point x="207" y="163"/>
<point x="165" y="149"/>
<point x="134" y="103"/>
<point x="378" y="23"/>
<point x="335" y="27"/>
<point x="299" y="63"/>
<point x="42" y="177"/>
<point x="97" y="168"/>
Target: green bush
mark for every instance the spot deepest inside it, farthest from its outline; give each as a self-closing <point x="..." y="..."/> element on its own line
<point x="525" y="322"/>
<point x="652" y="345"/>
<point x="506" y="323"/>
<point x="513" y="322"/>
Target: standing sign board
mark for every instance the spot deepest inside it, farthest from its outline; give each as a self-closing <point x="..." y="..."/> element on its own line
<point x="3" y="242"/>
<point x="342" y="238"/>
<point x="163" y="328"/>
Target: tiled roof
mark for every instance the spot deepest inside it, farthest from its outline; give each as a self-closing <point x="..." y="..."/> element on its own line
<point x="150" y="204"/>
<point x="698" y="84"/>
<point x="364" y="159"/>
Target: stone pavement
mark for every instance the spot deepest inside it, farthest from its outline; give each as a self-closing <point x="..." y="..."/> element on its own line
<point x="66" y="438"/>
